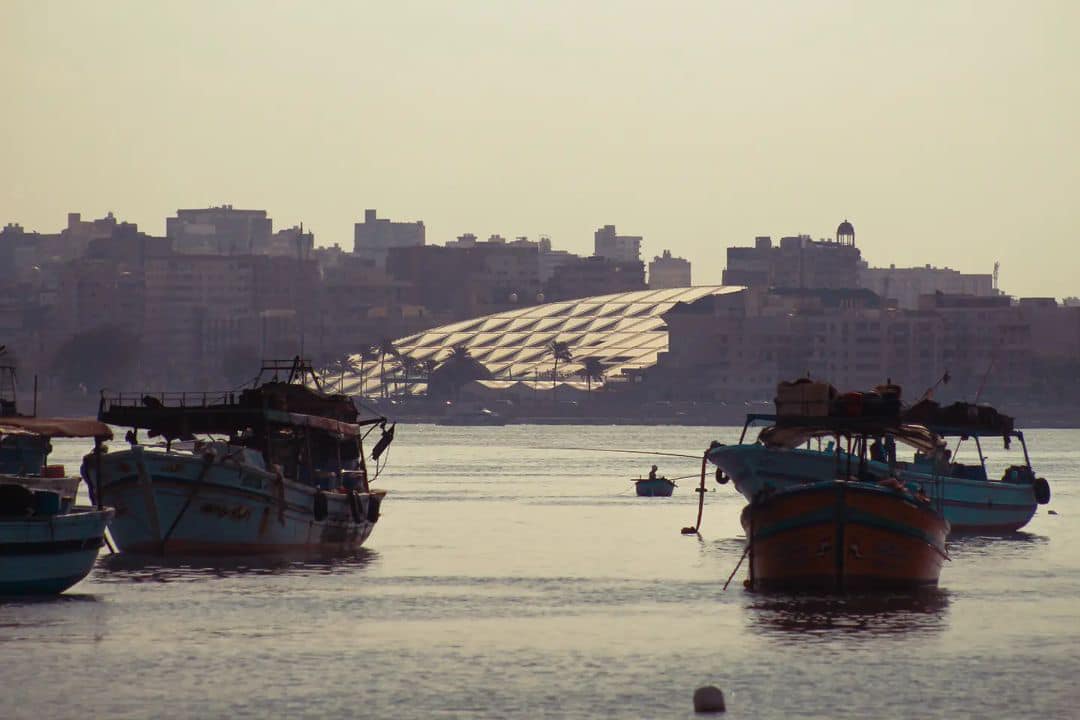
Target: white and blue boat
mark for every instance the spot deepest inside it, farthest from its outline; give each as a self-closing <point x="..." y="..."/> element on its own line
<point x="278" y="468"/>
<point x="45" y="548"/>
<point x="47" y="544"/>
<point x="969" y="499"/>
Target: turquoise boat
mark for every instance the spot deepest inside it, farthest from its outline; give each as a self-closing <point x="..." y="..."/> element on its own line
<point x="45" y="547"/>
<point x="278" y="468"/>
<point x="969" y="499"/>
<point x="47" y="544"/>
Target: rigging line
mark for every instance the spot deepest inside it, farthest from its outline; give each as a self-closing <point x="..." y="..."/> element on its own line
<point x="683" y="477"/>
<point x="632" y="452"/>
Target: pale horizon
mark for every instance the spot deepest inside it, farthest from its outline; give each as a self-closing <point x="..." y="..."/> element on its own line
<point x="944" y="133"/>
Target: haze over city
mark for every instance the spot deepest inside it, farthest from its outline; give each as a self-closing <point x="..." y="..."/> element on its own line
<point x="946" y="132"/>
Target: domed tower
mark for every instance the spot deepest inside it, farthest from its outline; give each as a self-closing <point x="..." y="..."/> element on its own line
<point x="845" y="234"/>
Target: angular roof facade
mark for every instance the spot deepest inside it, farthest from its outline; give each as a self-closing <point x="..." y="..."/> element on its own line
<point x="624" y="331"/>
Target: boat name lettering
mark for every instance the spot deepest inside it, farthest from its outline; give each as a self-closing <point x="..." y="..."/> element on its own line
<point x="237" y="512"/>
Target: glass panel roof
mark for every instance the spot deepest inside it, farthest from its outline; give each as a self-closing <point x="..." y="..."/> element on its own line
<point x="625" y="330"/>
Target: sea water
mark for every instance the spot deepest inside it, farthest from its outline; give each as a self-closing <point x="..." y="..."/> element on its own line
<point x="511" y="576"/>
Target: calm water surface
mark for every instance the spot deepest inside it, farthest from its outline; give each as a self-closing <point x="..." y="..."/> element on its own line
<point x="509" y="578"/>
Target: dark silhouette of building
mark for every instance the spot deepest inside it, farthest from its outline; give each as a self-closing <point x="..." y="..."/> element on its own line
<point x="798" y="262"/>
<point x="375" y="237"/>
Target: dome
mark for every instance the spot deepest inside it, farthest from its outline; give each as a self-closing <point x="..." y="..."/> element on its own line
<point x="845" y="229"/>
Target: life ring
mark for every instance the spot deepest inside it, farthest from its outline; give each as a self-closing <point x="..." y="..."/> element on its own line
<point x="721" y="478"/>
<point x="1042" y="490"/>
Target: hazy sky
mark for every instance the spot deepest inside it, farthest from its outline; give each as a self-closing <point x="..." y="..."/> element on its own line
<point x="946" y="131"/>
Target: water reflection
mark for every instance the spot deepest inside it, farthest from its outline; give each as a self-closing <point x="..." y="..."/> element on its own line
<point x="821" y="617"/>
<point x="12" y="601"/>
<point x="128" y="567"/>
<point x="1014" y="544"/>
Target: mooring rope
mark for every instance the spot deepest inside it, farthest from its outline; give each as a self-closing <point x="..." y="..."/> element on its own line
<point x="701" y="490"/>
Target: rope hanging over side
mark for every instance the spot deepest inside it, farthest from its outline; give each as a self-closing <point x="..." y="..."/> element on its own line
<point x="701" y="490"/>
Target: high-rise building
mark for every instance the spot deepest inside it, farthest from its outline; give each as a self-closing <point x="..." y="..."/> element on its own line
<point x="373" y="238"/>
<point x="219" y="231"/>
<point x="619" y="248"/>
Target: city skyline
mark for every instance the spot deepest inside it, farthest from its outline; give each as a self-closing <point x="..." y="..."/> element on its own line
<point x="942" y="132"/>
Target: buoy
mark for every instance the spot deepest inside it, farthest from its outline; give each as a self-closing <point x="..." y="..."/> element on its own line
<point x="1051" y="512"/>
<point x="709" y="699"/>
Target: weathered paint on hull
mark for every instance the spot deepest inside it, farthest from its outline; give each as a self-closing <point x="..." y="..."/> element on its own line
<point x="233" y="509"/>
<point x="970" y="506"/>
<point x="46" y="556"/>
<point x="843" y="537"/>
<point x="654" y="488"/>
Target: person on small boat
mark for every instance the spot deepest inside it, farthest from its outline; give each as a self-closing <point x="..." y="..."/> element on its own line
<point x="652" y="473"/>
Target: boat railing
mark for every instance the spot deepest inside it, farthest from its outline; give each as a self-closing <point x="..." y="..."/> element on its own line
<point x="186" y="399"/>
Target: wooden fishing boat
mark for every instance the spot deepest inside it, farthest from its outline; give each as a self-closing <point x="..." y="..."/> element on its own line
<point x="654" y="487"/>
<point x="971" y="501"/>
<point x="279" y="468"/>
<point x="843" y="536"/>
<point x="853" y="531"/>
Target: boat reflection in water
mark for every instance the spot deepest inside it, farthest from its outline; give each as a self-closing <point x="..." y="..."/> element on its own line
<point x="129" y="567"/>
<point x="921" y="612"/>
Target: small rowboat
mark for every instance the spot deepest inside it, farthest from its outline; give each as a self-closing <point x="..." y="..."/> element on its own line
<point x="653" y="487"/>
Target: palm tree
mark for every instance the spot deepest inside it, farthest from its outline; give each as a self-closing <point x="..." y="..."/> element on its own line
<point x="457" y="370"/>
<point x="428" y="366"/>
<point x="343" y="365"/>
<point x="368" y="353"/>
<point x="592" y="369"/>
<point x="560" y="351"/>
<point x="410" y="365"/>
<point x="386" y="347"/>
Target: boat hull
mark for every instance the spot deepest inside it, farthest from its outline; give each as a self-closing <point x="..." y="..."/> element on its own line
<point x="47" y="555"/>
<point x="970" y="506"/>
<point x="843" y="537"/>
<point x="166" y="502"/>
<point x="660" y="487"/>
<point x="67" y="487"/>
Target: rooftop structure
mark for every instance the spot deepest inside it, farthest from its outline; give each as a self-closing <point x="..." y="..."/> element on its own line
<point x="798" y="262"/>
<point x="624" y="331"/>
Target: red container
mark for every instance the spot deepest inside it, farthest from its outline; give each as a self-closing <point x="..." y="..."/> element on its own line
<point x="52" y="471"/>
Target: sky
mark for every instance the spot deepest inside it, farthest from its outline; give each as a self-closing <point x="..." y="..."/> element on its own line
<point x="945" y="131"/>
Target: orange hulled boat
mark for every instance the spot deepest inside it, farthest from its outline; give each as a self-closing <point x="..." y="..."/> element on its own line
<point x="856" y="531"/>
<point x="844" y="536"/>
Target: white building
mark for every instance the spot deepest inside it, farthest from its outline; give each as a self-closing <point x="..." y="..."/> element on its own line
<point x="905" y="285"/>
